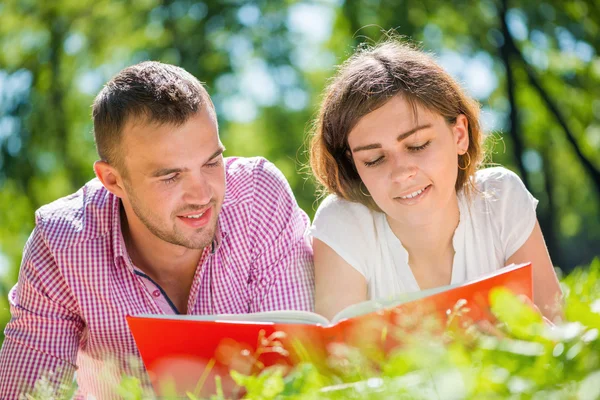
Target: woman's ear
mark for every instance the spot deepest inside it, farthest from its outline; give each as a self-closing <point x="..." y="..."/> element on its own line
<point x="460" y="130"/>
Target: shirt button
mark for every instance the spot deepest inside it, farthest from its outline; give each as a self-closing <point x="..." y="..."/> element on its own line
<point x="156" y="293"/>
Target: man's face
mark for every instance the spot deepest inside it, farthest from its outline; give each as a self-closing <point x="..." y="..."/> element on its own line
<point x="175" y="180"/>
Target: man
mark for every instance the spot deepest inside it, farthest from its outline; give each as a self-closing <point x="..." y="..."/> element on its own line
<point x="169" y="226"/>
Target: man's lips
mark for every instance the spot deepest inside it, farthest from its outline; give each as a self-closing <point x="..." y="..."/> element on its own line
<point x="194" y="214"/>
<point x="197" y="219"/>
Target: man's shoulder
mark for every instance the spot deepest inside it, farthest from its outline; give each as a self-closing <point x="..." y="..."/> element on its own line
<point x="80" y="216"/>
<point x="251" y="167"/>
<point x="240" y="170"/>
<point x="247" y="177"/>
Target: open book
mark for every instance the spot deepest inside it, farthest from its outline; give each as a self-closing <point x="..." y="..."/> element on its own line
<point x="186" y="349"/>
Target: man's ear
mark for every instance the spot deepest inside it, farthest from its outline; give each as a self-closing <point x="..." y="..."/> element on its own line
<point x="110" y="178"/>
<point x="460" y="131"/>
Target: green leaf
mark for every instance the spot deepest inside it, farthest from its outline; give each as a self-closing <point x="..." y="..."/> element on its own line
<point x="519" y="319"/>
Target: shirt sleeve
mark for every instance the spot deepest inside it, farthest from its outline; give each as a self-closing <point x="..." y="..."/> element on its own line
<point x="42" y="338"/>
<point x="348" y="229"/>
<point x="514" y="209"/>
<point x="282" y="272"/>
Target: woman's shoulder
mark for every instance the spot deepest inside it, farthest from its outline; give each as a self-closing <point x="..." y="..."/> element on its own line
<point x="339" y="218"/>
<point x="500" y="191"/>
<point x="507" y="205"/>
<point x="351" y="229"/>
<point x="496" y="178"/>
<point x="334" y="206"/>
<point x="497" y="184"/>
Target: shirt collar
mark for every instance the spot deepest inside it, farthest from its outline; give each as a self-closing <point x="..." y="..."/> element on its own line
<point x="119" y="248"/>
<point x="220" y="232"/>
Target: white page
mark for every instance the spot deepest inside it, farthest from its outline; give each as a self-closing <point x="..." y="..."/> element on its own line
<point x="370" y="306"/>
<point x="307" y="317"/>
<point x="283" y="317"/>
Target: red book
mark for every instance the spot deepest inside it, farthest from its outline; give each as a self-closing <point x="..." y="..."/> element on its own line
<point x="184" y="353"/>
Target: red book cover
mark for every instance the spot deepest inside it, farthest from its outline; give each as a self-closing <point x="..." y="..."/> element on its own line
<point x="184" y="353"/>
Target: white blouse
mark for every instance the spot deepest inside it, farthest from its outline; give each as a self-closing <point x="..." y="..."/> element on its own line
<point x="495" y="223"/>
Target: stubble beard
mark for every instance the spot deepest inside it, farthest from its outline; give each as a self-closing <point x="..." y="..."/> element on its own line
<point x="206" y="234"/>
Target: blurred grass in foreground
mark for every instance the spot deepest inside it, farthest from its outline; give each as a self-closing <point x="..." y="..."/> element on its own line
<point x="528" y="360"/>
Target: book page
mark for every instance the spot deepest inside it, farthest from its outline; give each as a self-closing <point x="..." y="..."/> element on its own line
<point x="370" y="306"/>
<point x="280" y="317"/>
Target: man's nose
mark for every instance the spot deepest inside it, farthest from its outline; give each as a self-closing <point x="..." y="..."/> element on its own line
<point x="198" y="191"/>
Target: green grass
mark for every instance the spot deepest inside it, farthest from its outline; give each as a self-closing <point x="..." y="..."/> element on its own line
<point x="528" y="361"/>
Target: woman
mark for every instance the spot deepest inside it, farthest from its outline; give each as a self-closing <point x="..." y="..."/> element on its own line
<point x="398" y="145"/>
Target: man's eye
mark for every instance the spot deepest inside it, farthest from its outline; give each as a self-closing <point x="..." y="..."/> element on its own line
<point x="215" y="163"/>
<point x="170" y="179"/>
<point x="374" y="162"/>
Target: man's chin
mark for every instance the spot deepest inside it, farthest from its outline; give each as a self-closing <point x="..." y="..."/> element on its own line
<point x="199" y="243"/>
<point x="190" y="244"/>
<point x="195" y="238"/>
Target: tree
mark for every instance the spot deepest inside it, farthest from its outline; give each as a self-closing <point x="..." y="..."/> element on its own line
<point x="265" y="64"/>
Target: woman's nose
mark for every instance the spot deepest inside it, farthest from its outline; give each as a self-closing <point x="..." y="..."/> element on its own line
<point x="402" y="169"/>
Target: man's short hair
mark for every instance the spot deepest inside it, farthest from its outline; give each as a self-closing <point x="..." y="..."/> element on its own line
<point x="150" y="91"/>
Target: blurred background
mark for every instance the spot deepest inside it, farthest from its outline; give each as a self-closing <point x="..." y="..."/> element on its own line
<point x="533" y="66"/>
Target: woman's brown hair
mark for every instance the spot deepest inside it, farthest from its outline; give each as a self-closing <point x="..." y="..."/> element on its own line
<point x="365" y="82"/>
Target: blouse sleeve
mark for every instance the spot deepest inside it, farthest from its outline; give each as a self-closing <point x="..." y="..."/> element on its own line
<point x="513" y="208"/>
<point x="344" y="226"/>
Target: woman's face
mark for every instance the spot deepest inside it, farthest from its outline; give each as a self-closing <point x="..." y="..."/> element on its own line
<point x="408" y="160"/>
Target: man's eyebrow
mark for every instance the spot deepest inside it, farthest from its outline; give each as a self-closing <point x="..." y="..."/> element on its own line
<point x="168" y="171"/>
<point x="217" y="153"/>
<point x="400" y="138"/>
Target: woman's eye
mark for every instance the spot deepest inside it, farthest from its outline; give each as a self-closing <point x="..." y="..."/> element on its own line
<point x="374" y="162"/>
<point x="420" y="147"/>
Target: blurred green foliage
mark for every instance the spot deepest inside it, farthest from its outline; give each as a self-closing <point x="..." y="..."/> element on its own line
<point x="524" y="358"/>
<point x="534" y="67"/>
<point x="528" y="360"/>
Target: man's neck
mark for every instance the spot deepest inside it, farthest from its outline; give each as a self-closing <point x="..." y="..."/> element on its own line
<point x="162" y="261"/>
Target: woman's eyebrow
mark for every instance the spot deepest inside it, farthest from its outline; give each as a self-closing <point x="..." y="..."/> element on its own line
<point x="400" y="138"/>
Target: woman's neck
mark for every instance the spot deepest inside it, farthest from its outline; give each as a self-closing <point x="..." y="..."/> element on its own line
<point x="431" y="240"/>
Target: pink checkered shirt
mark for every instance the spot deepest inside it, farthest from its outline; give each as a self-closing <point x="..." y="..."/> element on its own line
<point x="77" y="282"/>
